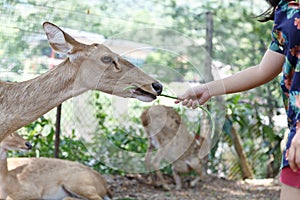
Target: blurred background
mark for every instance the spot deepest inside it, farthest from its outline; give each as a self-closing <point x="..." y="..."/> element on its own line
<point x="182" y="44"/>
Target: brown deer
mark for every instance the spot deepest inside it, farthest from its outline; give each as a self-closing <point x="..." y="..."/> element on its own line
<point x="168" y="134"/>
<point x="46" y="178"/>
<point x="87" y="67"/>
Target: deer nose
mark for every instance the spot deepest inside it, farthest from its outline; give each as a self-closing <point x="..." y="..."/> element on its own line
<point x="28" y="145"/>
<point x="157" y="87"/>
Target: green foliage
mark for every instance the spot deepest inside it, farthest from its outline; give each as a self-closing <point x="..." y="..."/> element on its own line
<point x="122" y="138"/>
<point x="114" y="138"/>
<point x="239" y="41"/>
<point x="178" y="66"/>
<point x="260" y="141"/>
<point x="41" y="135"/>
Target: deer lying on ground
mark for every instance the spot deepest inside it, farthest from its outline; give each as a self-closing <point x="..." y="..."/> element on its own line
<point x="87" y="67"/>
<point x="46" y="178"/>
<point x="168" y="134"/>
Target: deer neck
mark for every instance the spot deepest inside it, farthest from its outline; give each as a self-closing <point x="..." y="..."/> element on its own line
<point x="7" y="180"/>
<point x="24" y="102"/>
<point x="3" y="164"/>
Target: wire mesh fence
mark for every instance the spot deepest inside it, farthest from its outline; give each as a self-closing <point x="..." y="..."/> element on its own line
<point x="25" y="54"/>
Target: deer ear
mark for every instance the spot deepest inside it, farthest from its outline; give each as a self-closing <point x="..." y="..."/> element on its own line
<point x="58" y="39"/>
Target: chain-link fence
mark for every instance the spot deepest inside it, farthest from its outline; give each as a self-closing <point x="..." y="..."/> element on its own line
<point x="25" y="54"/>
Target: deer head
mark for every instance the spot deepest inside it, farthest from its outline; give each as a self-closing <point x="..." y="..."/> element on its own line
<point x="14" y="142"/>
<point x="101" y="69"/>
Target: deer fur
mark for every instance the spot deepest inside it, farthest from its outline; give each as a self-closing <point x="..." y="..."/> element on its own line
<point x="168" y="134"/>
<point x="46" y="178"/>
<point x="87" y="67"/>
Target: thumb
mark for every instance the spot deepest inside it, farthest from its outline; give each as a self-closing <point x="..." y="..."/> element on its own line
<point x="291" y="158"/>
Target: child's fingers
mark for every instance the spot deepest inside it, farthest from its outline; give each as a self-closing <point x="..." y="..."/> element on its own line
<point x="189" y="103"/>
<point x="195" y="104"/>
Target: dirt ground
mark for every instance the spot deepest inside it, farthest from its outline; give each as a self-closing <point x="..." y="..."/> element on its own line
<point x="137" y="187"/>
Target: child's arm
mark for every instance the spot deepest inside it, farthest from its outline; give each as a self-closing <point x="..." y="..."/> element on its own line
<point x="268" y="69"/>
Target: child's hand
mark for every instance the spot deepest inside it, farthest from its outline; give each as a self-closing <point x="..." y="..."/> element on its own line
<point x="194" y="96"/>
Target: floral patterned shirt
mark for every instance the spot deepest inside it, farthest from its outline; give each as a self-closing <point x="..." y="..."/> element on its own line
<point x="286" y="40"/>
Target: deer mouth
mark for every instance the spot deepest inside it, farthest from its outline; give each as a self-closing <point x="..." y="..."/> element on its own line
<point x="141" y="94"/>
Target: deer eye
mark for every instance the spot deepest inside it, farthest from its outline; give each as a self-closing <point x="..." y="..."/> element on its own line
<point x="106" y="59"/>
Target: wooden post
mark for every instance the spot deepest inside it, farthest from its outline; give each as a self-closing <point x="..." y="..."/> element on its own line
<point x="58" y="117"/>
<point x="208" y="47"/>
<point x="207" y="71"/>
<point x="57" y="131"/>
<point x="237" y="143"/>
